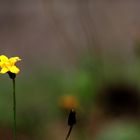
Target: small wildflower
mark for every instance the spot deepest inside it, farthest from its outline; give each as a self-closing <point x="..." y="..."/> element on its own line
<point x="8" y="64"/>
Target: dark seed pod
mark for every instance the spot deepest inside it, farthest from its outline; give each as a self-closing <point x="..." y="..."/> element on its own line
<point x="11" y="75"/>
<point x="72" y="118"/>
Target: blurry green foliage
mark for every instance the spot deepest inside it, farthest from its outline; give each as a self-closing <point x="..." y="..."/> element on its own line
<point x="120" y="131"/>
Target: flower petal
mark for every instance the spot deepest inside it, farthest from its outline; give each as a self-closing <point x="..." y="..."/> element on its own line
<point x="1" y="64"/>
<point x="14" y="69"/>
<point x="13" y="60"/>
<point x="4" y="70"/>
<point x="3" y="58"/>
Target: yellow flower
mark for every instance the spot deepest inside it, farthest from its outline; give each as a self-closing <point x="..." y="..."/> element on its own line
<point x="8" y="64"/>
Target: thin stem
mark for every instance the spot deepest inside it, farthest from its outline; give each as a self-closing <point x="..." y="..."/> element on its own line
<point x="14" y="111"/>
<point x="69" y="132"/>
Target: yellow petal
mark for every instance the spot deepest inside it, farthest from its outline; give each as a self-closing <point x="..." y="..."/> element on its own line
<point x="13" y="60"/>
<point x="3" y="58"/>
<point x="4" y="70"/>
<point x="14" y="69"/>
<point x="1" y="64"/>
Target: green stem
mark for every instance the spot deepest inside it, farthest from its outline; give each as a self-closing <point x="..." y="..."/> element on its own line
<point x="14" y="111"/>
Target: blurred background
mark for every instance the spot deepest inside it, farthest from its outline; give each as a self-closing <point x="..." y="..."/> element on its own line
<point x="81" y="54"/>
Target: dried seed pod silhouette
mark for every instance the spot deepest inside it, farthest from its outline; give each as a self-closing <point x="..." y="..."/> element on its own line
<point x="71" y="121"/>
